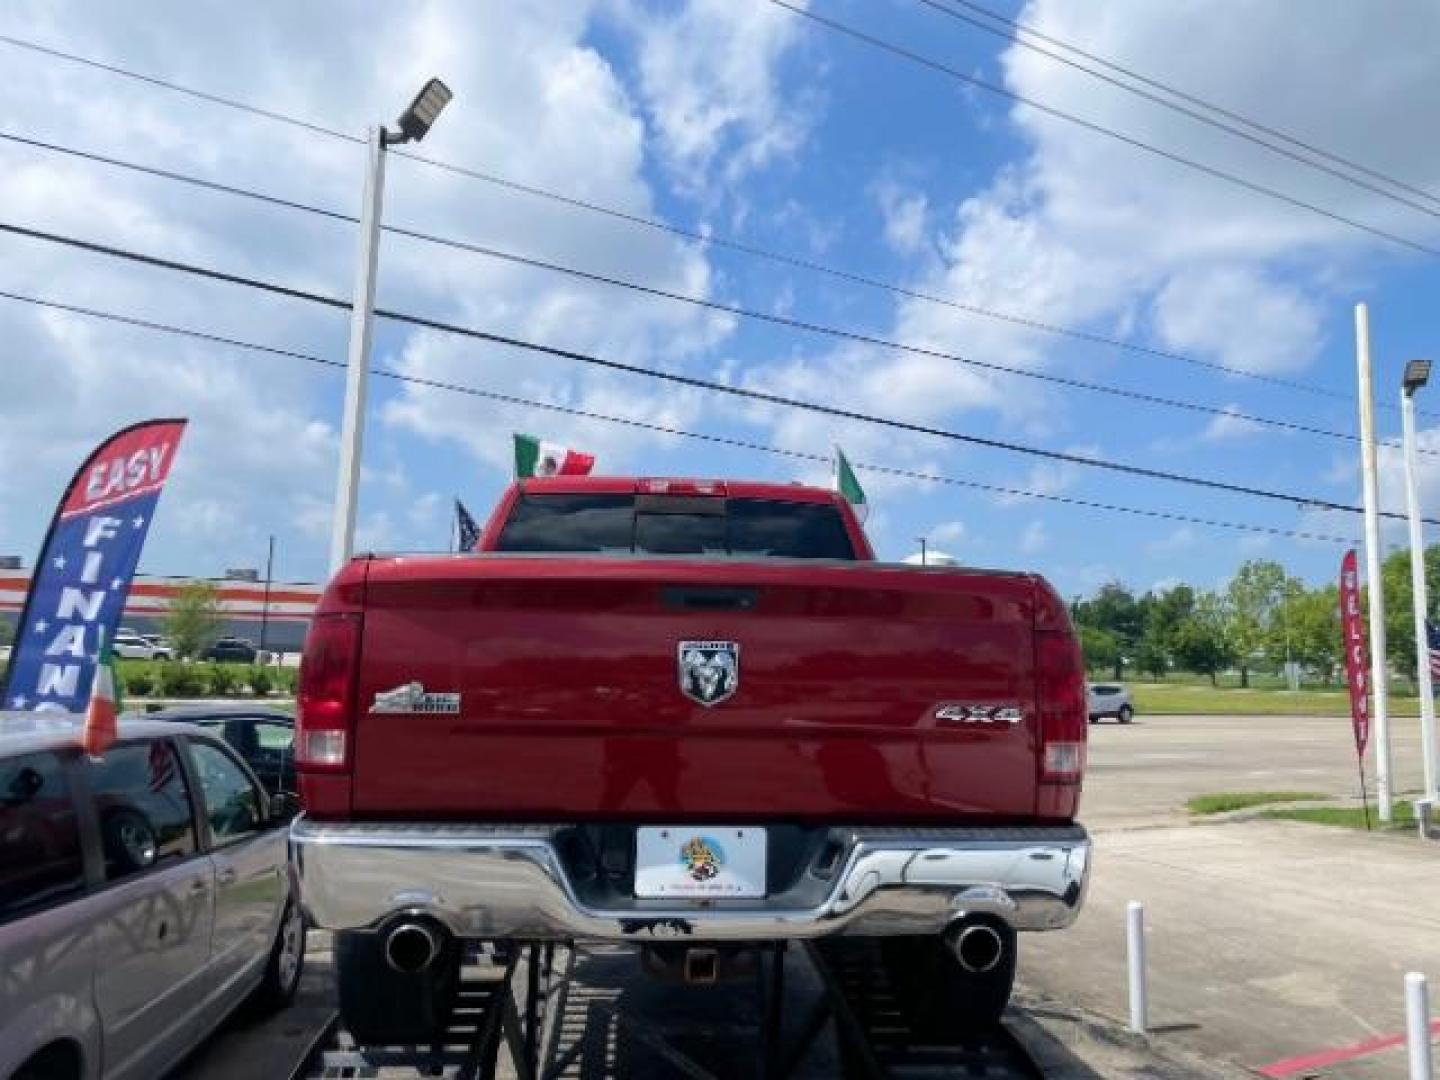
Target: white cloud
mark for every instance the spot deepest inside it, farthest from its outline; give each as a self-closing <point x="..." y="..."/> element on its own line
<point x="1178" y="540"/>
<point x="708" y="77"/>
<point x="1034" y="538"/>
<point x="905" y="214"/>
<point x="1238" y="316"/>
<point x="531" y="93"/>
<point x="1229" y="426"/>
<point x="1051" y="477"/>
<point x="949" y="532"/>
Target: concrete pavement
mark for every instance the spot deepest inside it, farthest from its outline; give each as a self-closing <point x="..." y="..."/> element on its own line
<point x="1267" y="940"/>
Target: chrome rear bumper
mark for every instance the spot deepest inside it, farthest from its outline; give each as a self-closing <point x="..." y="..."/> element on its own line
<point x="494" y="881"/>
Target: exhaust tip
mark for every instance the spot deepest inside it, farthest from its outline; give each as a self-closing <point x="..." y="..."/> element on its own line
<point x="979" y="948"/>
<point x="411" y="948"/>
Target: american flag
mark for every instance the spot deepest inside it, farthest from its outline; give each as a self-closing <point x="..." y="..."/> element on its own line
<point x="465" y="527"/>
<point x="1432" y="643"/>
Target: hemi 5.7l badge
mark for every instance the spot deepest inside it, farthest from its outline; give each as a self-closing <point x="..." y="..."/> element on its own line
<point x="978" y="714"/>
<point x="412" y="698"/>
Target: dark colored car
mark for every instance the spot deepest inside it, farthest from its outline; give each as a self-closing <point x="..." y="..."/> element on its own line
<point x="232" y="650"/>
<point x="264" y="738"/>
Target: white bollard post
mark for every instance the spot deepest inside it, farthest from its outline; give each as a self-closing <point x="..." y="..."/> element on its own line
<point x="1424" y="814"/>
<point x="1417" y="1025"/>
<point x="1135" y="941"/>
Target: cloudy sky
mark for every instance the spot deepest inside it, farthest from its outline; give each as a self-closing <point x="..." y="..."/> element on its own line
<point x="740" y="120"/>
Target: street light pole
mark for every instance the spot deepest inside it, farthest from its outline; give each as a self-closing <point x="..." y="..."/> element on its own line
<point x="362" y="322"/>
<point x="414" y="122"/>
<point x="923" y="560"/>
<point x="1417" y="373"/>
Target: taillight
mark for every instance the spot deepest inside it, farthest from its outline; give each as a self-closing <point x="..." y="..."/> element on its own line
<point x="325" y="698"/>
<point x="1060" y="688"/>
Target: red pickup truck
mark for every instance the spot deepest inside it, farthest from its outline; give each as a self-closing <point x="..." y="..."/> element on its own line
<point x="693" y="715"/>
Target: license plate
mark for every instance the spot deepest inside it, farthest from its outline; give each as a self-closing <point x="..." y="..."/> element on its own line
<point x="699" y="862"/>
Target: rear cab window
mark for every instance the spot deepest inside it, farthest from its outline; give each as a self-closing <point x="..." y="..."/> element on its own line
<point x="621" y="524"/>
<point x="41" y="858"/>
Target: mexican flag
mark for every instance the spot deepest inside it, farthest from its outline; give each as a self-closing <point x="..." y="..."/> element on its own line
<point x="535" y="457"/>
<point x="847" y="485"/>
<point x="100" y="729"/>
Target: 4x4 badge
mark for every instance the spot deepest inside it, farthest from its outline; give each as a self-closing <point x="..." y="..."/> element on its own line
<point x="709" y="670"/>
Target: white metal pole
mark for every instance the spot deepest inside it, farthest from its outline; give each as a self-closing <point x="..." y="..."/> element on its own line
<point x="1135" y="949"/>
<point x="1422" y="604"/>
<point x="362" y="319"/>
<point x="1376" y="590"/>
<point x="1417" y="1026"/>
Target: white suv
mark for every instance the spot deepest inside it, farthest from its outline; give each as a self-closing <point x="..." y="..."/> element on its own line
<point x="1110" y="699"/>
<point x="134" y="647"/>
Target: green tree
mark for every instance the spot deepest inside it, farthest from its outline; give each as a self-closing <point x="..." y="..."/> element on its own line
<point x="1314" y="617"/>
<point x="1162" y="614"/>
<point x="1201" y="641"/>
<point x="1399" y="612"/>
<point x="1115" y="610"/>
<point x="193" y="621"/>
<point x="1099" y="647"/>
<point x="1154" y="652"/>
<point x="1254" y="597"/>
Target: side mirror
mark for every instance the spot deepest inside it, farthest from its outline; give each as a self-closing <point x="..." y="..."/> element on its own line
<point x="283" y="807"/>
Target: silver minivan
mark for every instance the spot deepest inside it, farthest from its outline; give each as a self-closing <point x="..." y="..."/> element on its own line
<point x="143" y="896"/>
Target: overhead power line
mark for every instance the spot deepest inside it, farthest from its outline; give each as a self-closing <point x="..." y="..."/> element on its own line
<point x="790" y="322"/>
<point x="709" y="239"/>
<point x="1200" y="117"/>
<point x="1193" y="99"/>
<point x="665" y="429"/>
<point x="1235" y="179"/>
<point x="675" y="378"/>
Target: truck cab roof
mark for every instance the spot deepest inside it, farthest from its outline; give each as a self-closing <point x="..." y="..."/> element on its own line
<point x="673" y="485"/>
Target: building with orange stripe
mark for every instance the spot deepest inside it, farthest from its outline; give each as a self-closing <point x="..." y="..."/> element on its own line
<point x="280" y="618"/>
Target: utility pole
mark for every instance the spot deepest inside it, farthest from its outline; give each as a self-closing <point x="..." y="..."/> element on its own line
<point x="265" y="604"/>
<point x="1417" y="374"/>
<point x="1376" y="588"/>
<point x="924" y="561"/>
<point x="414" y="122"/>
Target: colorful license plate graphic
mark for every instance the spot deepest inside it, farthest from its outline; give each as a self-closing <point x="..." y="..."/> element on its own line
<point x="710" y="861"/>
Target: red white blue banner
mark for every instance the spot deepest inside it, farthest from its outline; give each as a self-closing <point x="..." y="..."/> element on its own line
<point x="86" y="564"/>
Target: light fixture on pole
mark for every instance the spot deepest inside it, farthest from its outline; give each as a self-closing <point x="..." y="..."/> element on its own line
<point x="1417" y="374"/>
<point x="414" y="122"/>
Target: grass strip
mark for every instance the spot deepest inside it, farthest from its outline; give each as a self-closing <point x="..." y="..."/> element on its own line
<point x="1224" y="801"/>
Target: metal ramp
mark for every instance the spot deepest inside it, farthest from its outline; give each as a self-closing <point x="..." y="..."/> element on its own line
<point x="551" y="1012"/>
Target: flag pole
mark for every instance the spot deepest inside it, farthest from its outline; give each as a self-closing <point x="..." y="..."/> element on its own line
<point x="1364" y="798"/>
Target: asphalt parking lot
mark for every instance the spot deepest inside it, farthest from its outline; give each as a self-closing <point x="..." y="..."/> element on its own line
<point x="1270" y="941"/>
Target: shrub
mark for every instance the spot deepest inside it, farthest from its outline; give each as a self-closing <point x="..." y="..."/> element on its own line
<point x="181" y="680"/>
<point x="261" y="680"/>
<point x="138" y="682"/>
<point x="285" y="680"/>
<point x="222" y="680"/>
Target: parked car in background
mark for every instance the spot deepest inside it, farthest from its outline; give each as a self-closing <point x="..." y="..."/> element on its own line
<point x="143" y="896"/>
<point x="232" y="650"/>
<point x="1110" y="699"/>
<point x="265" y="738"/>
<point x="135" y="647"/>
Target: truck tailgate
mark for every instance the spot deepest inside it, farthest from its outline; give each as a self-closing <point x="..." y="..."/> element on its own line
<point x="570" y="698"/>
